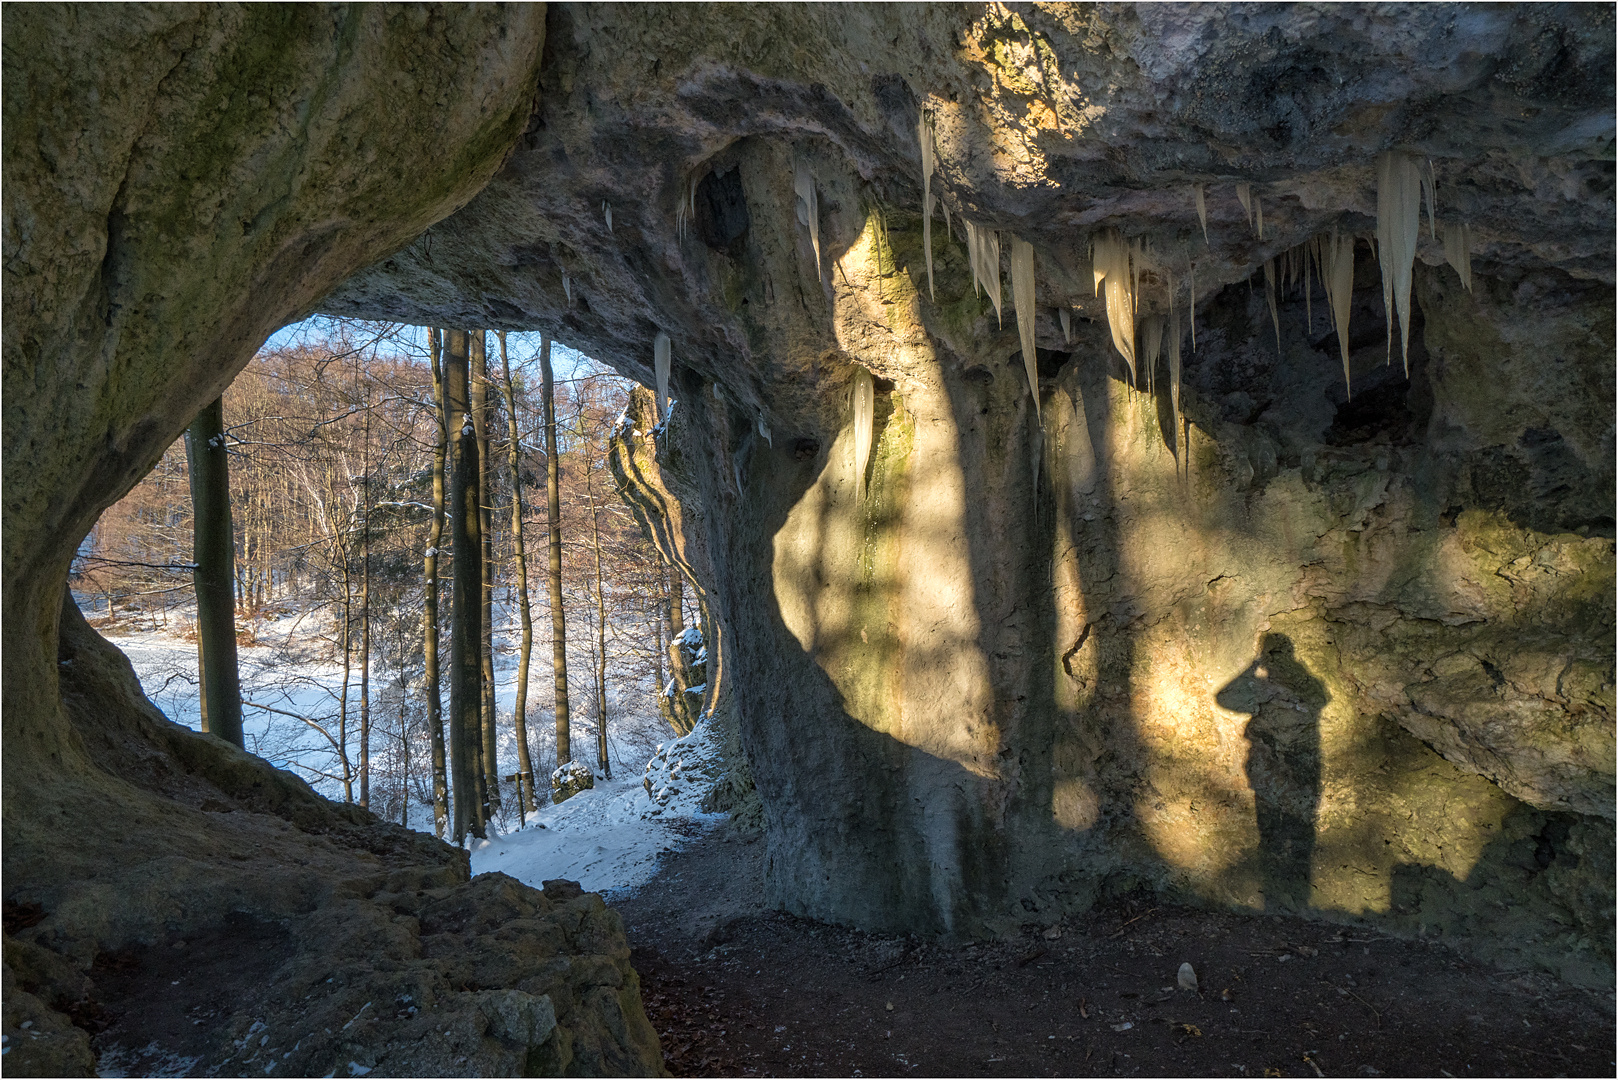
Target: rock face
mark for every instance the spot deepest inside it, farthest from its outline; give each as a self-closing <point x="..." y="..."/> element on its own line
<point x="1352" y="656"/>
<point x="1347" y="656"/>
<point x="179" y="183"/>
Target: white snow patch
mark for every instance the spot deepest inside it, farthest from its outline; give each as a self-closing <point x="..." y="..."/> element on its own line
<point x="609" y="837"/>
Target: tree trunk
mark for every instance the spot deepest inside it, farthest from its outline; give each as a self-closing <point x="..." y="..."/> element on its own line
<point x="525" y="765"/>
<point x="365" y="599"/>
<point x="429" y="619"/>
<point x="214" y="551"/>
<point x="553" y="519"/>
<point x="601" y="621"/>
<point x="465" y="689"/>
<point x="340" y="546"/>
<point x="480" y="425"/>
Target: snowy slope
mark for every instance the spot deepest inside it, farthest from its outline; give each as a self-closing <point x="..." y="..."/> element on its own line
<point x="608" y="838"/>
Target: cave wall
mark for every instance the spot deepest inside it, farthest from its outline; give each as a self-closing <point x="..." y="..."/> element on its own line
<point x="982" y="694"/>
<point x="1351" y="657"/>
<point x="181" y="181"/>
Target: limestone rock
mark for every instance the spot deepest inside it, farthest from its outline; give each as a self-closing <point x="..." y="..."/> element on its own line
<point x="570" y="778"/>
<point x="1289" y="655"/>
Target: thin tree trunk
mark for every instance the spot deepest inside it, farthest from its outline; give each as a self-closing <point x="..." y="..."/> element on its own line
<point x="525" y="765"/>
<point x="342" y="699"/>
<point x="601" y="621"/>
<point x="553" y="518"/>
<point x="365" y="601"/>
<point x="465" y="689"/>
<point x="214" y="551"/>
<point x="429" y="648"/>
<point x="480" y="425"/>
<point x="404" y="743"/>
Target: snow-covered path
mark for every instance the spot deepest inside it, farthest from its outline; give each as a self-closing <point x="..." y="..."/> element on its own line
<point x="608" y="839"/>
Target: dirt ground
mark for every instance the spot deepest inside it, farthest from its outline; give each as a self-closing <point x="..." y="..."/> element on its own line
<point x="737" y="990"/>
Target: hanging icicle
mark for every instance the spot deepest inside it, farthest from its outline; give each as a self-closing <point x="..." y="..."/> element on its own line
<point x="1258" y="216"/>
<point x="764" y="430"/>
<point x="864" y="394"/>
<point x="1458" y="251"/>
<point x="1193" y="307"/>
<point x="1202" y="212"/>
<point x="567" y="287"/>
<point x="1022" y="295"/>
<point x="606" y="211"/>
<point x="1337" y="276"/>
<point x="1066" y="320"/>
<point x="1111" y="257"/>
<point x="1151" y="348"/>
<point x="685" y="207"/>
<point x="1400" y="185"/>
<point x="1244" y="195"/>
<point x="924" y="133"/>
<point x="803" y="183"/>
<point x="1174" y="374"/>
<point x="662" y="364"/>
<point x="983" y="250"/>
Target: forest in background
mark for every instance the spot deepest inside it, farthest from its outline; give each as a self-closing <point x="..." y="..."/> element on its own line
<point x="331" y="435"/>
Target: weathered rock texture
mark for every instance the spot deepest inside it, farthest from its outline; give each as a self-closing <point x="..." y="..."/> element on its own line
<point x="1350" y="657"/>
<point x="1354" y="657"/>
<point x="181" y="181"/>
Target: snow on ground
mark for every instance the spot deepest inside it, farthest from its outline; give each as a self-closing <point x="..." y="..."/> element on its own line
<point x="608" y="838"/>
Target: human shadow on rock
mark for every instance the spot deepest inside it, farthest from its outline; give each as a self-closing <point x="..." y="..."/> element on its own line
<point x="1284" y="700"/>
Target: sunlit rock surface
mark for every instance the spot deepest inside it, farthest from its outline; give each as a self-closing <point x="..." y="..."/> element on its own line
<point x="1346" y="656"/>
<point x="179" y="182"/>
<point x="1352" y="657"/>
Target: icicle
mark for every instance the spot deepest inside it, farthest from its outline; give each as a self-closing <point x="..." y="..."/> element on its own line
<point x="685" y="207"/>
<point x="1337" y="275"/>
<point x="1067" y="325"/>
<point x="1193" y="307"/>
<point x="1269" y="297"/>
<point x="1399" y="185"/>
<point x="567" y="287"/>
<point x="606" y="210"/>
<point x="662" y="363"/>
<point x="983" y="250"/>
<point x="864" y="411"/>
<point x="803" y="182"/>
<point x="1174" y="372"/>
<point x="1202" y="212"/>
<point x="972" y="252"/>
<point x="1429" y="191"/>
<point x="1244" y="195"/>
<point x="1258" y="217"/>
<point x="1111" y="265"/>
<point x="1022" y="295"/>
<point x="764" y="430"/>
<point x="1458" y="251"/>
<point x="924" y="133"/>
<point x="1151" y="348"/>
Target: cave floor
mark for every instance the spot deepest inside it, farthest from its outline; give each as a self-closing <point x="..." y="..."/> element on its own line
<point x="737" y="990"/>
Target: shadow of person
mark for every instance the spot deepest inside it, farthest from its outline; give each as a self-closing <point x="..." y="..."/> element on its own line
<point x="1283" y="764"/>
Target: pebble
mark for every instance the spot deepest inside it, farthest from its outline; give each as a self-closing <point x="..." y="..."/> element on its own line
<point x="1188" y="978"/>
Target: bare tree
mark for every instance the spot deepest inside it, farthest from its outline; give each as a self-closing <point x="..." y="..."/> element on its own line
<point x="215" y="555"/>
<point x="429" y="618"/>
<point x="553" y="518"/>
<point x="525" y="766"/>
<point x="465" y="689"/>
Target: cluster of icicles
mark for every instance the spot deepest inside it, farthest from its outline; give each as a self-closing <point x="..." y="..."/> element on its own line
<point x="1404" y="183"/>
